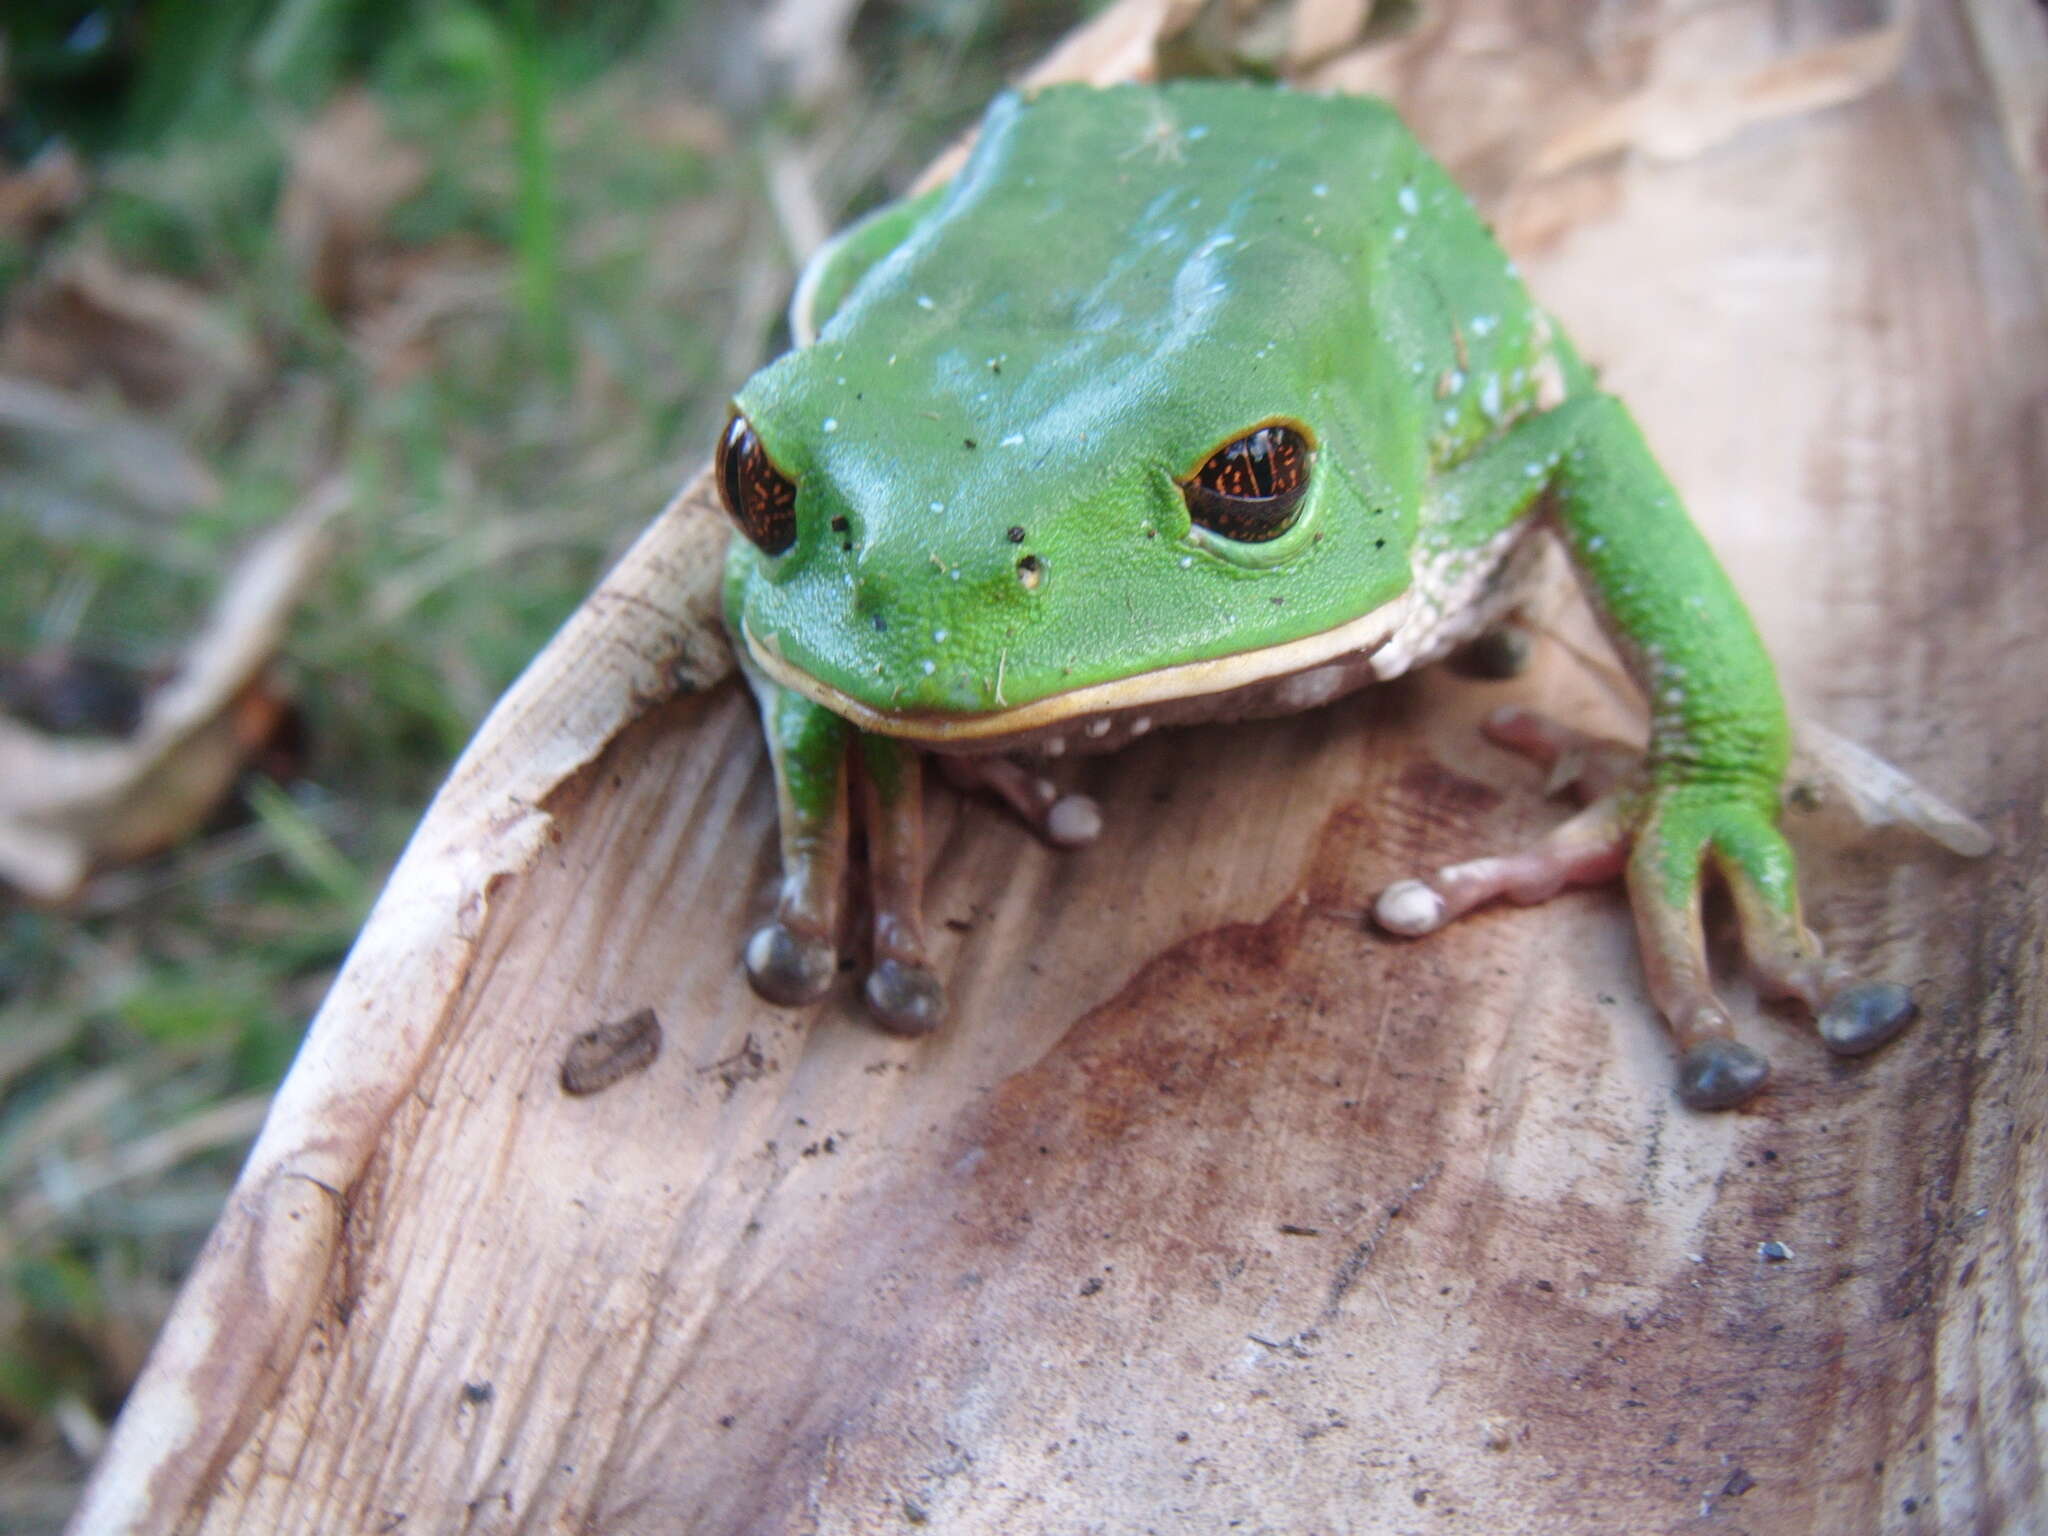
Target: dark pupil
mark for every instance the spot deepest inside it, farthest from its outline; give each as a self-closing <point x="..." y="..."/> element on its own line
<point x="757" y="495"/>
<point x="1248" y="490"/>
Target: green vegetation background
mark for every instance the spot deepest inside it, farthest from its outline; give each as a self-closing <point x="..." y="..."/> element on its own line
<point x="594" y="256"/>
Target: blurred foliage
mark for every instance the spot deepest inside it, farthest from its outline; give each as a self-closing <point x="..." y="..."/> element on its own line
<point x="511" y="366"/>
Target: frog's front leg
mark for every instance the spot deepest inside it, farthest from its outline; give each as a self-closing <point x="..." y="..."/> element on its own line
<point x="902" y="991"/>
<point x="1705" y="796"/>
<point x="793" y="958"/>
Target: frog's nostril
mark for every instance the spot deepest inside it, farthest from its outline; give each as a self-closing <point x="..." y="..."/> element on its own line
<point x="1031" y="571"/>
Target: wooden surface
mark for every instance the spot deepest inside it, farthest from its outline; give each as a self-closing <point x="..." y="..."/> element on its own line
<point x="1213" y="1209"/>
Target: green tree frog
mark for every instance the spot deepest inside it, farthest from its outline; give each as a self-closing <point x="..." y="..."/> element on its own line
<point x="1207" y="401"/>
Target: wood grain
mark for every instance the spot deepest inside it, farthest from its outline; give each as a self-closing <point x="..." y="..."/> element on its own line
<point x="1212" y="1209"/>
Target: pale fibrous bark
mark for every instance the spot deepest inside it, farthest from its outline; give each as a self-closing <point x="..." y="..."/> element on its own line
<point x="1211" y="1209"/>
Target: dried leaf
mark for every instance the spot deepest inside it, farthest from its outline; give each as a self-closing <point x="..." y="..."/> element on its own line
<point x="41" y="192"/>
<point x="62" y="445"/>
<point x="1882" y="795"/>
<point x="347" y="174"/>
<point x="68" y="805"/>
<point x="1677" y="121"/>
<point x="160" y="342"/>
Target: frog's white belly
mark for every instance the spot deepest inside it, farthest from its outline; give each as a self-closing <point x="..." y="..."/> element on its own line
<point x="1457" y="595"/>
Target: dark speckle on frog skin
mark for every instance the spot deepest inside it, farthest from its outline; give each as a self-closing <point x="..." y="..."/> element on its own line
<point x="599" y="1057"/>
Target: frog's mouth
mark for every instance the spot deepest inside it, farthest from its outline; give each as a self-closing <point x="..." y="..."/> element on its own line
<point x="1095" y="702"/>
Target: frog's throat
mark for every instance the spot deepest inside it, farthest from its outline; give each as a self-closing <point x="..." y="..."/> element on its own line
<point x="1188" y="680"/>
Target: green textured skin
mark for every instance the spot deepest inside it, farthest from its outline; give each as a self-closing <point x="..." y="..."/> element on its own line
<point x="1118" y="283"/>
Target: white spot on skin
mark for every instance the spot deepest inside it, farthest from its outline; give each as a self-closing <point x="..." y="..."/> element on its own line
<point x="831" y="424"/>
<point x="924" y="301"/>
<point x="1014" y="440"/>
<point x="1186" y="561"/>
<point x="1482" y="325"/>
<point x="1319" y="190"/>
<point x="1489" y="396"/>
<point x="928" y="666"/>
<point x="1408" y="201"/>
<point x="1141" y="725"/>
<point x="1400" y="233"/>
<point x="1097" y="729"/>
<point x="939" y="636"/>
<point x="938" y="506"/>
<point x="1057" y="747"/>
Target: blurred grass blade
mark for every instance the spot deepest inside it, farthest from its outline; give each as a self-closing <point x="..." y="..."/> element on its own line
<point x="305" y="847"/>
<point x="539" y="245"/>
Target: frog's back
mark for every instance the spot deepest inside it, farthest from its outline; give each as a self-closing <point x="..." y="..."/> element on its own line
<point x="1111" y="233"/>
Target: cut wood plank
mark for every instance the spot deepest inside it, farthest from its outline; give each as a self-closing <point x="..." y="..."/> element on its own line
<point x="1210" y="1208"/>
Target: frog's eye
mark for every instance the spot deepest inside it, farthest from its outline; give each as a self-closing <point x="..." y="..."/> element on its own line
<point x="1248" y="490"/>
<point x="757" y="496"/>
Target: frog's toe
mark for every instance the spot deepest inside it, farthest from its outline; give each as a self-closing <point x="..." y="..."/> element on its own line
<point x="1789" y="961"/>
<point x="905" y="999"/>
<point x="788" y="967"/>
<point x="1065" y="821"/>
<point x="1719" y="1073"/>
<point x="1073" y="821"/>
<point x="1864" y="1015"/>
<point x="1411" y="908"/>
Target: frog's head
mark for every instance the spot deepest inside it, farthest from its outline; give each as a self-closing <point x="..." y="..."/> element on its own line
<point x="1035" y="469"/>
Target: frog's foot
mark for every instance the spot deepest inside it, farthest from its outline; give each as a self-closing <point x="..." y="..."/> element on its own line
<point x="1663" y="837"/>
<point x="1065" y="821"/>
<point x="789" y="966"/>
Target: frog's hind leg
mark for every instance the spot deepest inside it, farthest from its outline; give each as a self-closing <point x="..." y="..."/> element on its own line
<point x="792" y="958"/>
<point x="1604" y="840"/>
<point x="903" y="992"/>
<point x="1663" y="859"/>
